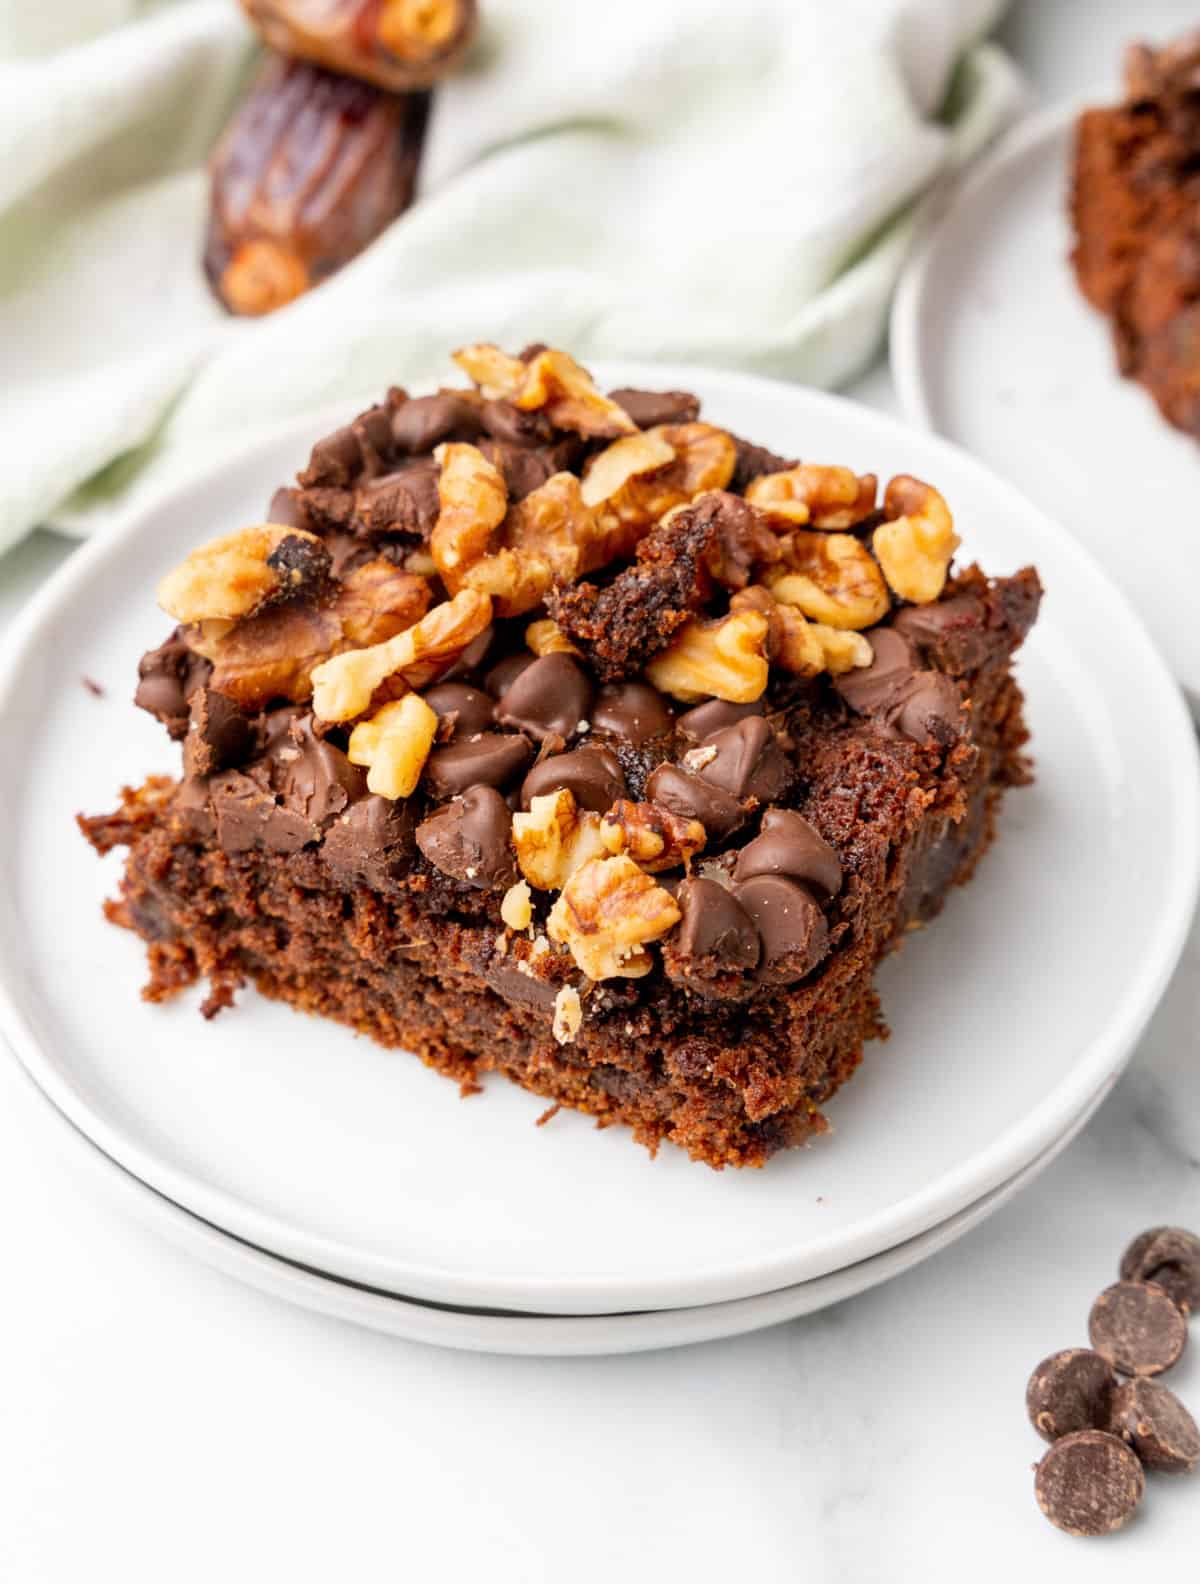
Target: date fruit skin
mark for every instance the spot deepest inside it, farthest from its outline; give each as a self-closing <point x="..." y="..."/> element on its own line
<point x="395" y="44"/>
<point x="311" y="169"/>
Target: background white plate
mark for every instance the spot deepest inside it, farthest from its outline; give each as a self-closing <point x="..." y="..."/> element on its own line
<point x="478" y="1331"/>
<point x="1008" y="1015"/>
<point x="993" y="345"/>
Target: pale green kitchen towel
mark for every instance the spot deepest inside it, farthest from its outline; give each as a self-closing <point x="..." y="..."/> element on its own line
<point x="701" y="181"/>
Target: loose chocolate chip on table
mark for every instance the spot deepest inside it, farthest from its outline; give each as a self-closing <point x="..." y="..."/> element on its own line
<point x="789" y="845"/>
<point x="548" y="699"/>
<point x="1138" y="1328"/>
<point x="471" y="709"/>
<point x="1089" y="1483"/>
<point x="1069" y="1391"/>
<point x="491" y="759"/>
<point x="593" y="776"/>
<point x="469" y="839"/>
<point x="1156" y="1425"/>
<point x="1169" y="1256"/>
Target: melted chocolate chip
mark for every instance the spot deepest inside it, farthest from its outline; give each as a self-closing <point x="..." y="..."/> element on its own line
<point x="714" y="925"/>
<point x="1089" y="1483"/>
<point x="167" y="678"/>
<point x="514" y="425"/>
<point x="313" y="776"/>
<point x="404" y="501"/>
<point x="715" y="715"/>
<point x="950" y="630"/>
<point x="517" y="987"/>
<point x="633" y="711"/>
<point x="1069" y="1391"/>
<point x="931" y="709"/>
<point x="424" y="422"/>
<point x="591" y="774"/>
<point x="491" y="759"/>
<point x="470" y="710"/>
<point x="371" y="843"/>
<point x="792" y="928"/>
<point x="1137" y="1328"/>
<point x="468" y="839"/>
<point x="749" y="762"/>
<point x="648" y="408"/>
<point x="287" y="510"/>
<point x="548" y="699"/>
<point x="219" y="735"/>
<point x="248" y="815"/>
<point x="505" y="672"/>
<point x="472" y="656"/>
<point x="876" y="687"/>
<point x="523" y="468"/>
<point x="921" y="705"/>
<point x="684" y="792"/>
<point x="789" y="845"/>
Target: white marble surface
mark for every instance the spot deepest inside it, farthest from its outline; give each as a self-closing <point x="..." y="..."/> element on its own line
<point x="160" y="1422"/>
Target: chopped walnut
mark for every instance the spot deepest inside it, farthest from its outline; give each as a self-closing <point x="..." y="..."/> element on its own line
<point x="792" y="644"/>
<point x="568" y="1015"/>
<point x="547" y="637"/>
<point x="826" y="497"/>
<point x="549" y="382"/>
<point x="653" y="836"/>
<point x="412" y="28"/>
<point x="394" y="745"/>
<point x="916" y="544"/>
<point x="628" y="458"/>
<point x="724" y="659"/>
<point x="607" y="912"/>
<point x="472" y="501"/>
<point x="239" y="573"/>
<point x="554" y="838"/>
<point x="344" y="686"/>
<point x="273" y="654"/>
<point x="841" y="650"/>
<point x="703" y="458"/>
<point x="516" y="908"/>
<point x="831" y="577"/>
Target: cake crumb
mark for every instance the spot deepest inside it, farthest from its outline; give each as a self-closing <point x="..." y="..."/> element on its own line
<point x="549" y="1114"/>
<point x="93" y="687"/>
<point x="517" y="907"/>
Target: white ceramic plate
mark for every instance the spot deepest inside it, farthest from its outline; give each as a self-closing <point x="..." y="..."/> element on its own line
<point x="477" y="1330"/>
<point x="993" y="345"/>
<point x="1007" y="1015"/>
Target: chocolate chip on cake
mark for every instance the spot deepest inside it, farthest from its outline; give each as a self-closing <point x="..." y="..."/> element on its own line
<point x="466" y="709"/>
<point x="633" y="711"/>
<point x="468" y="839"/>
<point x="648" y="408"/>
<point x="1170" y="1257"/>
<point x="1089" y="1483"/>
<point x="424" y="422"/>
<point x="1156" y="1425"/>
<point x="1069" y="1391"/>
<point x="792" y="928"/>
<point x="592" y="775"/>
<point x="687" y="793"/>
<point x="1138" y="1328"/>
<point x="547" y="699"/>
<point x="493" y="759"/>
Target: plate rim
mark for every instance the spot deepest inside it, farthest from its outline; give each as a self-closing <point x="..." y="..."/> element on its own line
<point x="1004" y="1156"/>
<point x="511" y="1334"/>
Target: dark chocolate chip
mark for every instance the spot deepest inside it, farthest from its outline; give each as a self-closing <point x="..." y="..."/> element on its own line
<point x="1156" y="1425"/>
<point x="518" y="986"/>
<point x="952" y="630"/>
<point x="505" y="672"/>
<point x="219" y="735"/>
<point x="335" y="460"/>
<point x="312" y="775"/>
<point x="1069" y="1391"/>
<point x="876" y="687"/>
<point x="789" y="845"/>
<point x="749" y="761"/>
<point x="472" y="710"/>
<point x="714" y="715"/>
<point x="931" y="709"/>
<point x="548" y="699"/>
<point x="287" y="509"/>
<point x="524" y="468"/>
<point x="514" y="425"/>
<point x="592" y="774"/>
<point x="648" y="408"/>
<point x="684" y="792"/>
<point x="633" y="711"/>
<point x="248" y="815"/>
<point x="792" y="928"/>
<point x="1138" y="1328"/>
<point x="491" y="759"/>
<point x="468" y="839"/>
<point x="371" y="843"/>
<point x="472" y="656"/>
<point x="1169" y="1256"/>
<point x="714" y="924"/>
<point x="167" y="678"/>
<point x="1089" y="1483"/>
<point x="424" y="422"/>
<point x="404" y="501"/>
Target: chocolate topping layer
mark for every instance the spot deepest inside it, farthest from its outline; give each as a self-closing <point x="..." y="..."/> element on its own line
<point x="372" y="843"/>
<point x="219" y="735"/>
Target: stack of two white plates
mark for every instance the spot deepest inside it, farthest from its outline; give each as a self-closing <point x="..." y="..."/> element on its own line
<point x="352" y="1180"/>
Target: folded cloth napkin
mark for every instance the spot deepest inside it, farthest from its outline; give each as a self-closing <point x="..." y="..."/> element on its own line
<point x="695" y="180"/>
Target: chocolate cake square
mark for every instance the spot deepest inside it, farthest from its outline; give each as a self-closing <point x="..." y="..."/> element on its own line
<point x="569" y="736"/>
